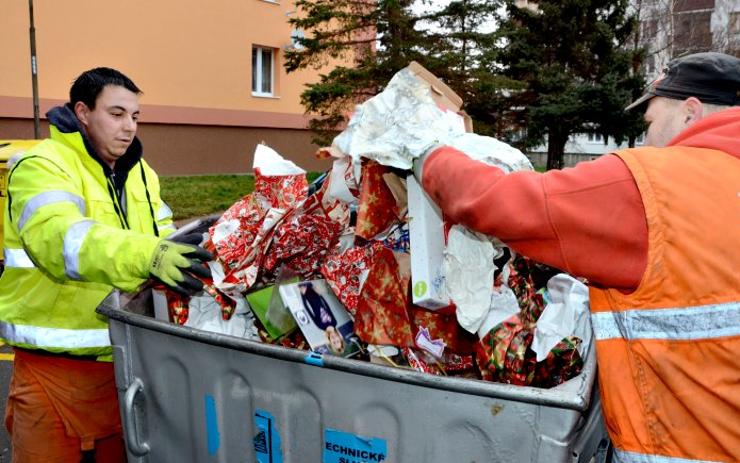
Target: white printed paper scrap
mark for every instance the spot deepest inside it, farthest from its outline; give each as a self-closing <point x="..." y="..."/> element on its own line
<point x="468" y="271"/>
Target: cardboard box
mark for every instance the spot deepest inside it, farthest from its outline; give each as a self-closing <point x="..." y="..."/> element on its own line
<point x="426" y="234"/>
<point x="441" y="93"/>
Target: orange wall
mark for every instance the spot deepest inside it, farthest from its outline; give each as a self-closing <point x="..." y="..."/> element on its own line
<point x="193" y="54"/>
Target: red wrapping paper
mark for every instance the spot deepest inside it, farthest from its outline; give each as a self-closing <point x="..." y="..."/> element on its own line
<point x="343" y="271"/>
<point x="177" y="306"/>
<point x="305" y="236"/>
<point x="248" y="226"/>
<point x="377" y="206"/>
<point x="504" y="354"/>
<point x="282" y="191"/>
<point x="382" y="311"/>
<point x="443" y="326"/>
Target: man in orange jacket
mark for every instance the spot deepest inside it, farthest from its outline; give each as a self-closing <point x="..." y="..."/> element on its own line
<point x="656" y="231"/>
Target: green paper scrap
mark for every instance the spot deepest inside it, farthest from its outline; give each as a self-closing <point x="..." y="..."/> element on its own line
<point x="269" y="308"/>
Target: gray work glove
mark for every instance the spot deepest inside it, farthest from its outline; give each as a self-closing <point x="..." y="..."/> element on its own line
<point x="418" y="163"/>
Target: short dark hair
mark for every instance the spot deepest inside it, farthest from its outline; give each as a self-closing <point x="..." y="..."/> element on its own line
<point x="89" y="84"/>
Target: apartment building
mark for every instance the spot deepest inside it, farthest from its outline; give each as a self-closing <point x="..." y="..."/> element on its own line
<point x="672" y="28"/>
<point x="211" y="72"/>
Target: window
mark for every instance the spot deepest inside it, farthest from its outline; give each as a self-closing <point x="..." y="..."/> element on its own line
<point x="262" y="71"/>
<point x="735" y="22"/>
<point x="595" y="138"/>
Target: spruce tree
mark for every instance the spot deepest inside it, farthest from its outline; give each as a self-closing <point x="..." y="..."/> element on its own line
<point x="371" y="41"/>
<point x="571" y="71"/>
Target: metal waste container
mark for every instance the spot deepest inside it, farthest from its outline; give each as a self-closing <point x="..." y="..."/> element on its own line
<point x="192" y="396"/>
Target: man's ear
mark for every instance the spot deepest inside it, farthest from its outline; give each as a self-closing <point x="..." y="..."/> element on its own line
<point x="82" y="111"/>
<point x="693" y="110"/>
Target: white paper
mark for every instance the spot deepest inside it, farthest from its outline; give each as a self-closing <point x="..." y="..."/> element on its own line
<point x="566" y="313"/>
<point x="468" y="271"/>
<point x="161" y="311"/>
<point x="403" y="121"/>
<point x="503" y="306"/>
<point x="205" y="314"/>
<point x="491" y="151"/>
<point x="379" y="350"/>
<point x="399" y="124"/>
<point x="270" y="163"/>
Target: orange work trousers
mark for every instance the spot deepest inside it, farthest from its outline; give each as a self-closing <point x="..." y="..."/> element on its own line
<point x="61" y="408"/>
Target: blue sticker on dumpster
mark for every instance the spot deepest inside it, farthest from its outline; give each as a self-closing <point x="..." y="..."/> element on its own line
<point x="212" y="435"/>
<point x="267" y="439"/>
<point x="343" y="447"/>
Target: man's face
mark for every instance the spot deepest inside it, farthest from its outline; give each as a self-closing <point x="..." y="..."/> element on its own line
<point x="665" y="118"/>
<point x="111" y="126"/>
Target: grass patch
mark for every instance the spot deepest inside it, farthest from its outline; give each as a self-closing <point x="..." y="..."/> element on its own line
<point x="196" y="196"/>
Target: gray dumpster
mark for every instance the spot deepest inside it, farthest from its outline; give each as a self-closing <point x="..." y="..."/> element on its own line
<point x="192" y="396"/>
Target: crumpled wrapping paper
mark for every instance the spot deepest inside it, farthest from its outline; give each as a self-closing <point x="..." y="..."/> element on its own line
<point x="346" y="272"/>
<point x="397" y="239"/>
<point x="177" y="306"/>
<point x="441" y="326"/>
<point x="504" y="354"/>
<point x="242" y="234"/>
<point x="377" y="209"/>
<point x="399" y="124"/>
<point x="274" y="225"/>
<point x="403" y="121"/>
<point x="448" y="364"/>
<point x="382" y="310"/>
<point x="301" y="241"/>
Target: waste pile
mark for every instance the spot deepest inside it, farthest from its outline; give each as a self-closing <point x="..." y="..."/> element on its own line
<point x="362" y="264"/>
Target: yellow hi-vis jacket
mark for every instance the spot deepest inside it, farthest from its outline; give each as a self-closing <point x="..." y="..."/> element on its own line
<point x="68" y="240"/>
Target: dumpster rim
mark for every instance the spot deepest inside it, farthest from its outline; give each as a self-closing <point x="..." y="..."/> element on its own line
<point x="554" y="397"/>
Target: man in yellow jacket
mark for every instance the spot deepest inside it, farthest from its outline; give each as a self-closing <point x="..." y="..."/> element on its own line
<point x="84" y="215"/>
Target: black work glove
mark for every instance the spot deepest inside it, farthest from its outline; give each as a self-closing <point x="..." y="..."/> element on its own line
<point x="194" y="238"/>
<point x="178" y="265"/>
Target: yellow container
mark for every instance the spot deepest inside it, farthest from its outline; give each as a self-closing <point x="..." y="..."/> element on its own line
<point x="8" y="149"/>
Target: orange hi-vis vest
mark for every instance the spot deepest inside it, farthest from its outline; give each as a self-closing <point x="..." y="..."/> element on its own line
<point x="669" y="353"/>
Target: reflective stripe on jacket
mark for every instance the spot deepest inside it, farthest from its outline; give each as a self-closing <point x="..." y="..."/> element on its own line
<point x="67" y="244"/>
<point x="669" y="353"/>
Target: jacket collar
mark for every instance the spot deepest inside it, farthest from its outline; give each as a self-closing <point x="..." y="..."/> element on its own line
<point x="66" y="122"/>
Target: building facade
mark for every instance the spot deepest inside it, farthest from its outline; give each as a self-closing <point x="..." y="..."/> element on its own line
<point x="211" y="72"/>
<point x="673" y="28"/>
<point x="667" y="29"/>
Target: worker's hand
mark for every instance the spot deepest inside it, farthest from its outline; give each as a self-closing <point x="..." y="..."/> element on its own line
<point x="177" y="265"/>
<point x="194" y="238"/>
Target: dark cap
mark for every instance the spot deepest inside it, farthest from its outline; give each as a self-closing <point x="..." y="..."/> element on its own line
<point x="713" y="78"/>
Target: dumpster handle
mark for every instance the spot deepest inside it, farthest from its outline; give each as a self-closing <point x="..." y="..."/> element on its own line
<point x="132" y="439"/>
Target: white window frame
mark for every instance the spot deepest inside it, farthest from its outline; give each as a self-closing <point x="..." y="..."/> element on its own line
<point x="595" y="138"/>
<point x="257" y="72"/>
